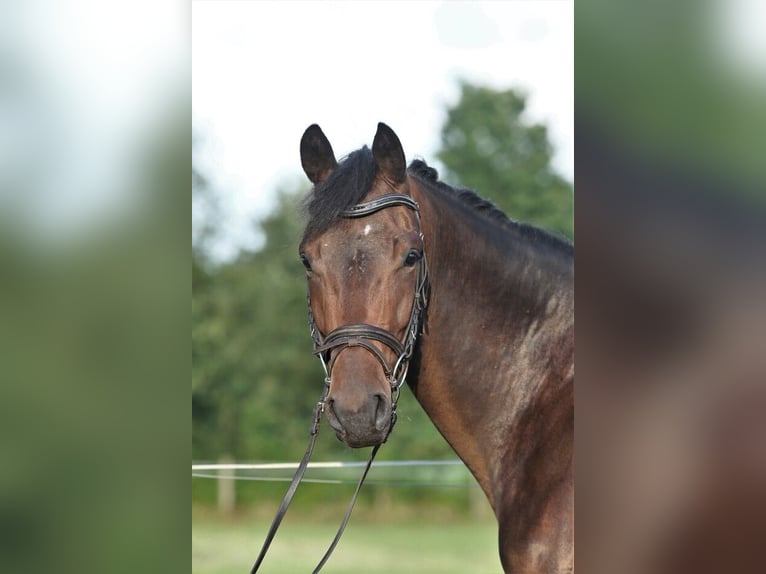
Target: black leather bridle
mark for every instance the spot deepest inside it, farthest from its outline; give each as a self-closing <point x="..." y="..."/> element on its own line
<point x="362" y="335"/>
<point x="359" y="335"/>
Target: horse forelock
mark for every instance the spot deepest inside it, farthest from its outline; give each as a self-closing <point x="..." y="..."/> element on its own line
<point x="346" y="186"/>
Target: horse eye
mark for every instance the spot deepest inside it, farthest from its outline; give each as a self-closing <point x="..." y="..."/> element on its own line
<point x="412" y="258"/>
<point x="306" y="262"/>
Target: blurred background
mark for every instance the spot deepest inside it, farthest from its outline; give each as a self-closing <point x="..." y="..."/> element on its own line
<point x="481" y="91"/>
<point x="670" y="284"/>
<point x="94" y="280"/>
<point x="94" y="285"/>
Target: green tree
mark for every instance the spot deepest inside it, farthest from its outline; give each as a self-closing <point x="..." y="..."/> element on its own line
<point x="488" y="146"/>
<point x="250" y="346"/>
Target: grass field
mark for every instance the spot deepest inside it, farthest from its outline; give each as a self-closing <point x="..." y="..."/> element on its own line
<point x="423" y="546"/>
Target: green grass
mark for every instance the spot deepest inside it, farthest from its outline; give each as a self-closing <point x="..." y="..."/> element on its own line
<point x="423" y="545"/>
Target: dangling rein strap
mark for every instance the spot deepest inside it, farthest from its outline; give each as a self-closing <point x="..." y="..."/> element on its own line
<point x="318" y="409"/>
<point x="293" y="487"/>
<point x="342" y="526"/>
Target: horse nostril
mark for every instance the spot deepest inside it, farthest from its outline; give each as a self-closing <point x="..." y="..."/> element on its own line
<point x="382" y="413"/>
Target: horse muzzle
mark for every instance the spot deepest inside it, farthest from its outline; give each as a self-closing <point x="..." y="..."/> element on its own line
<point x="360" y="424"/>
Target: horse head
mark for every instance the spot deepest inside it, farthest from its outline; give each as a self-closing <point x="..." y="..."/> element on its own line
<point x="363" y="254"/>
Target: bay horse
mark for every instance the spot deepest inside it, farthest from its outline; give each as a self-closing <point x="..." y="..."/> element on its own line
<point x="484" y="331"/>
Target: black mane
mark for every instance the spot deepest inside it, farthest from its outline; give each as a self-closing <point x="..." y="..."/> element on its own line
<point x="484" y="207"/>
<point x="354" y="176"/>
<point x="424" y="172"/>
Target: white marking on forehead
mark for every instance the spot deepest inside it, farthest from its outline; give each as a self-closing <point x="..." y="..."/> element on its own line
<point x="367" y="229"/>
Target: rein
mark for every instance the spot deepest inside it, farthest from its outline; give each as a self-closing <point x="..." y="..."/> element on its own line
<point x="358" y="335"/>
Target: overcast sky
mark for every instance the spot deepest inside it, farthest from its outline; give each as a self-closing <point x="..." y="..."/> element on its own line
<point x="264" y="71"/>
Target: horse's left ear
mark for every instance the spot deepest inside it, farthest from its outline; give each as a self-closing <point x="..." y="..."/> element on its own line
<point x="389" y="155"/>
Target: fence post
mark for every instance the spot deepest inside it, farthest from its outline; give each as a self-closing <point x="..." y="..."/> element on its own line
<point x="227" y="488"/>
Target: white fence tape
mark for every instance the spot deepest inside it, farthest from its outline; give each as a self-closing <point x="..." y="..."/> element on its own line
<point x="333" y="464"/>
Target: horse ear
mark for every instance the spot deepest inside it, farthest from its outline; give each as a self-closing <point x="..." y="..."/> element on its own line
<point x="388" y="153"/>
<point x="317" y="157"/>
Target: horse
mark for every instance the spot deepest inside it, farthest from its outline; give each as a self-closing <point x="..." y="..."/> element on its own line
<point x="411" y="277"/>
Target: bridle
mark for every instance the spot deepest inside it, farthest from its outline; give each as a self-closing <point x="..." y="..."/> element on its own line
<point x="359" y="335"/>
<point x="362" y="334"/>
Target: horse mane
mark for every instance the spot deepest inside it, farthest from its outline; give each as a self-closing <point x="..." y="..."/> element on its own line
<point x="355" y="174"/>
<point x="424" y="172"/>
<point x="486" y="208"/>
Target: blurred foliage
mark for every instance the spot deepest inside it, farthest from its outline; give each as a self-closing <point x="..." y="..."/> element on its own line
<point x="254" y="378"/>
<point x="93" y="428"/>
<point x="250" y="346"/>
<point x="668" y="81"/>
<point x="488" y="146"/>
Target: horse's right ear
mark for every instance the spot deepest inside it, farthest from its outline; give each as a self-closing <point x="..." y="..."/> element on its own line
<point x="317" y="157"/>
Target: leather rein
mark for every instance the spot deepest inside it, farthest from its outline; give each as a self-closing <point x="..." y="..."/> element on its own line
<point x="358" y="335"/>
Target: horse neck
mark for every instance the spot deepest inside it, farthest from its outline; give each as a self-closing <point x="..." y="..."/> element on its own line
<point x="498" y="332"/>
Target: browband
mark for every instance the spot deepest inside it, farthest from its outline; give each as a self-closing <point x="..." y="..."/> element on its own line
<point x="369" y="207"/>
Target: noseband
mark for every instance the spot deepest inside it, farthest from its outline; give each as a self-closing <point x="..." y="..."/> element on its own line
<point x="359" y="335"/>
<point x="362" y="334"/>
